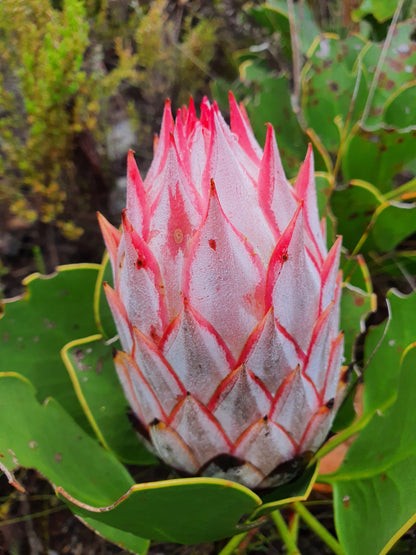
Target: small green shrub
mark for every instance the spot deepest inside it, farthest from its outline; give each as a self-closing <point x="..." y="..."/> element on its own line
<point x="61" y="64"/>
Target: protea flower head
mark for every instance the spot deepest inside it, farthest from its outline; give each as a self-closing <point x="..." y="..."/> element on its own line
<point x="226" y="302"/>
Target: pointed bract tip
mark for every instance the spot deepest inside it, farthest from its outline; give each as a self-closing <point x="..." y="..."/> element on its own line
<point x="109" y="232"/>
<point x="125" y="221"/>
<point x="309" y="160"/>
<point x="232" y="102"/>
<point x="269" y="136"/>
<point x="131" y="164"/>
<point x="167" y="113"/>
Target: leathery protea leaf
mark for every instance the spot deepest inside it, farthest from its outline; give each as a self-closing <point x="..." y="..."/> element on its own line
<point x="53" y="310"/>
<point x="102" y="313"/>
<point x="89" y="362"/>
<point x="188" y="511"/>
<point x="99" y="490"/>
<point x="376" y="484"/>
<point x="226" y="301"/>
<point x="382" y="374"/>
<point x="46" y="438"/>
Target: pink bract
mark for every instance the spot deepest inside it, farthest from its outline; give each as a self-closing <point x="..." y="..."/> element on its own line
<point x="226" y="302"/>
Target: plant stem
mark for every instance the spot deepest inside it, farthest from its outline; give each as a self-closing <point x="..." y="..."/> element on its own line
<point x="33" y="515"/>
<point x="380" y="62"/>
<point x="317" y="527"/>
<point x="285" y="534"/>
<point x="296" y="55"/>
<point x="234" y="542"/>
<point x="294" y="526"/>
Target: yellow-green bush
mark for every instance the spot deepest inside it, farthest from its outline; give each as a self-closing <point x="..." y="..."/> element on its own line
<point x="54" y="85"/>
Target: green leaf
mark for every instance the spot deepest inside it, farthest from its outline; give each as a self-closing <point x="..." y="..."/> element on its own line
<point x="98" y="488"/>
<point x="393" y="224"/>
<point x="90" y="365"/>
<point x="125" y="540"/>
<point x="355" y="308"/>
<point x="296" y="490"/>
<point x="354" y="207"/>
<point x="328" y="81"/>
<point x="54" y="310"/>
<point x="187" y="511"/>
<point x="382" y="373"/>
<point x="396" y="71"/>
<point x="375" y="487"/>
<point x="102" y="313"/>
<point x="377" y="156"/>
<point x="382" y="10"/>
<point x="356" y="305"/>
<point x="400" y="108"/>
<point x="323" y="192"/>
<point x="373" y="223"/>
<point x="274" y="16"/>
<point x="264" y="108"/>
<point x="45" y="437"/>
<point x="358" y="275"/>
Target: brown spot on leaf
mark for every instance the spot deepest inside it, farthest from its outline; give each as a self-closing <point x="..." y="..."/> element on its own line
<point x="358" y="301"/>
<point x="58" y="457"/>
<point x="99" y="366"/>
<point x="346" y="501"/>
<point x="394" y="64"/>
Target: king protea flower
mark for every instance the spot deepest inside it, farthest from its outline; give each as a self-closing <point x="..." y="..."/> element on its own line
<point x="226" y="302"/>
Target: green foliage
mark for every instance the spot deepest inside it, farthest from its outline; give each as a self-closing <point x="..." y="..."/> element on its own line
<point x="377" y="482"/>
<point x="382" y="10"/>
<point x="41" y="54"/>
<point x="54" y="87"/>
